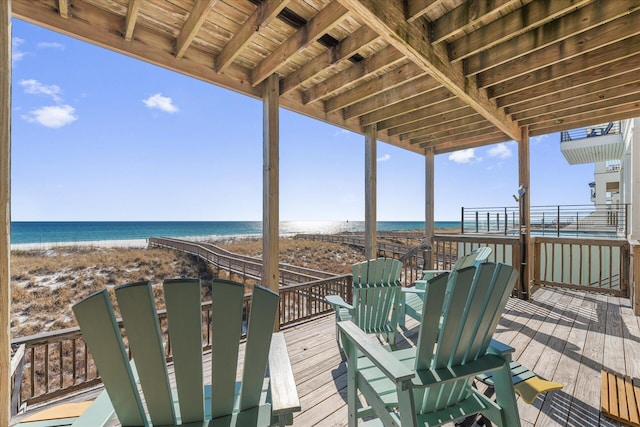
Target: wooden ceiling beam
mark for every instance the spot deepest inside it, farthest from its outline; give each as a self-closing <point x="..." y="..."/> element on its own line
<point x="392" y="95"/>
<point x="387" y="19"/>
<point x="406" y="106"/>
<point x="590" y="60"/>
<point x="466" y="16"/>
<point x="578" y="80"/>
<point x="340" y="52"/>
<point x="444" y="119"/>
<point x="478" y="132"/>
<point x="388" y="82"/>
<point x="354" y="74"/>
<point x="456" y="144"/>
<point x="596" y="38"/>
<point x="463" y="145"/>
<point x="577" y="110"/>
<point x="417" y="8"/>
<point x="319" y="25"/>
<point x="63" y="8"/>
<point x="132" y="16"/>
<point x="578" y="22"/>
<point x="468" y="123"/>
<point x="515" y="23"/>
<point x="621" y="112"/>
<point x="196" y="19"/>
<point x="424" y="113"/>
<point x="266" y="12"/>
<point x="600" y="89"/>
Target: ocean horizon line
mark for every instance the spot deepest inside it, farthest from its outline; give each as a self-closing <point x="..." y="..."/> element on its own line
<point x="52" y="232"/>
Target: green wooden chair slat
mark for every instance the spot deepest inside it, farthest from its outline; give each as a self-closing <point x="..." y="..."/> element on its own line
<point x="461" y="311"/>
<point x="185" y="334"/>
<point x="102" y="335"/>
<point x="249" y="402"/>
<point x="262" y="319"/>
<point x="227" y="300"/>
<point x="137" y="307"/>
<point x="376" y="293"/>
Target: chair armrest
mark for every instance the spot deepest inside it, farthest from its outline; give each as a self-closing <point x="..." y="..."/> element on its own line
<point x="337" y="301"/>
<point x="284" y="395"/>
<point x="395" y="370"/>
<point x="413" y="291"/>
<point x="500" y="349"/>
<point x="432" y="273"/>
<point x="98" y="414"/>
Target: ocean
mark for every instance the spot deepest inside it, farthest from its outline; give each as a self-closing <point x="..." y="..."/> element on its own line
<point x="89" y="231"/>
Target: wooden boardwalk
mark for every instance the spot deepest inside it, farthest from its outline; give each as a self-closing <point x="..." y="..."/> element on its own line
<point x="563" y="335"/>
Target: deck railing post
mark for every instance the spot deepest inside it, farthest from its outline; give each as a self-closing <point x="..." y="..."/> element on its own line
<point x="462" y="220"/>
<point x="558" y="222"/>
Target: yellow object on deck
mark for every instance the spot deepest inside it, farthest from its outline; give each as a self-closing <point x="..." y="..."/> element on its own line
<point x="67" y="410"/>
<point x="531" y="388"/>
<point x="619" y="397"/>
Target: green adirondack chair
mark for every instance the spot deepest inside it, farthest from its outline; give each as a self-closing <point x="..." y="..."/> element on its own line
<point x="431" y="384"/>
<point x="376" y="292"/>
<point x="412" y="299"/>
<point x="255" y="401"/>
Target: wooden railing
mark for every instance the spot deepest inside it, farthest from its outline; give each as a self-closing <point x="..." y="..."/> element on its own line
<point x="58" y="363"/>
<point x="600" y="265"/>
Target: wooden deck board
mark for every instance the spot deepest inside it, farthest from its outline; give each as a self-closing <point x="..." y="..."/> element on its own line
<point x="563" y="335"/>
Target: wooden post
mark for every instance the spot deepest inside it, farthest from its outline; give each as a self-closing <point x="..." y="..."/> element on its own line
<point x="526" y="252"/>
<point x="270" y="174"/>
<point x="5" y="212"/>
<point x="429" y="205"/>
<point x="370" y="151"/>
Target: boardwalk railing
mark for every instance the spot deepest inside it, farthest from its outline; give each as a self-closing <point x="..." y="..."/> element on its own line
<point x="58" y="364"/>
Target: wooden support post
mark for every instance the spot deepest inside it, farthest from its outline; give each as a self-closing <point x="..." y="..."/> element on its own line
<point x="429" y="205"/>
<point x="370" y="172"/>
<point x="526" y="252"/>
<point x="270" y="175"/>
<point x="5" y="211"/>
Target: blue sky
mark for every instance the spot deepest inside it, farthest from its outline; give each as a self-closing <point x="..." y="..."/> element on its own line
<point x="98" y="136"/>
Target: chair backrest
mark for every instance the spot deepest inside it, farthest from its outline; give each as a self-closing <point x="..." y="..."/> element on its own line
<point x="376" y="291"/>
<point x="475" y="257"/>
<point x="101" y="332"/>
<point x="476" y="297"/>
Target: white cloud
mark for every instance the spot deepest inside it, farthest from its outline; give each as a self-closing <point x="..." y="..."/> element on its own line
<point x="384" y="158"/>
<point x="54" y="116"/>
<point x="342" y="132"/>
<point x="500" y="151"/>
<point x="51" y="45"/>
<point x="463" y="156"/>
<point x="163" y="103"/>
<point x="34" y="87"/>
<point x="16" y="53"/>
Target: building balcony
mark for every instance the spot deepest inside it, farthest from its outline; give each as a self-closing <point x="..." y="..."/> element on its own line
<point x="593" y="144"/>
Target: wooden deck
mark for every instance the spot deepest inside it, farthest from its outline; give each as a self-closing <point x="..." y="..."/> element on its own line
<point x="563" y="335"/>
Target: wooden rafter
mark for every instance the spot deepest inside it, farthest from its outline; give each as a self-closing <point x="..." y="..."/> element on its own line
<point x="609" y="87"/>
<point x="590" y="60"/>
<point x="517" y="22"/>
<point x="353" y="75"/>
<point x="387" y="18"/>
<point x="372" y="88"/>
<point x="444" y="118"/>
<point x="326" y="19"/>
<point x="132" y="16"/>
<point x="403" y="91"/>
<point x="340" y="52"/>
<point x="63" y="8"/>
<point x="470" y="132"/>
<point x="466" y="16"/>
<point x="417" y="8"/>
<point x="260" y="18"/>
<point x="196" y="19"/>
<point x="622" y="112"/>
<point x="426" y="113"/>
<point x="589" y="17"/>
<point x="447" y="129"/>
<point x="621" y="29"/>
<point x="484" y="138"/>
<point x="432" y="98"/>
